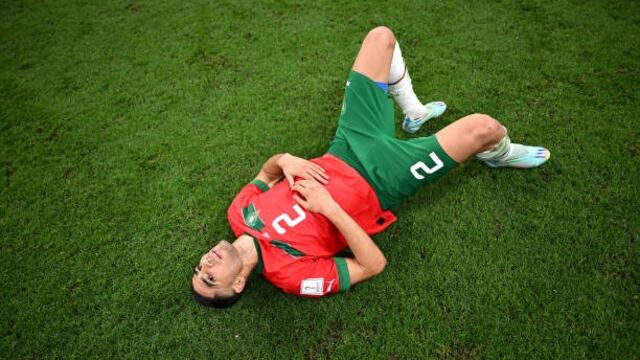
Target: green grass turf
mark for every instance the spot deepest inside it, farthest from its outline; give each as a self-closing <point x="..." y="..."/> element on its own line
<point x="126" y="128"/>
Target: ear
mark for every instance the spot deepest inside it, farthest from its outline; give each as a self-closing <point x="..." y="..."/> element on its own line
<point x="238" y="284"/>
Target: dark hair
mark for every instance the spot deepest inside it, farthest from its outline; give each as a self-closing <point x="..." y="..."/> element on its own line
<point x="220" y="301"/>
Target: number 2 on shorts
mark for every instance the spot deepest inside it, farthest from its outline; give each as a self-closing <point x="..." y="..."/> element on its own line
<point x="428" y="170"/>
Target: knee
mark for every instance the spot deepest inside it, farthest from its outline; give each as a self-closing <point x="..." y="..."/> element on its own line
<point x="486" y="130"/>
<point x="383" y="35"/>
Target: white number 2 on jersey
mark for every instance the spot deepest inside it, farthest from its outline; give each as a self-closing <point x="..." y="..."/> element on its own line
<point x="429" y="170"/>
<point x="287" y="219"/>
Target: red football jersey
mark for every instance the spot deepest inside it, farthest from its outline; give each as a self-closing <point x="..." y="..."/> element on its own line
<point x="296" y="247"/>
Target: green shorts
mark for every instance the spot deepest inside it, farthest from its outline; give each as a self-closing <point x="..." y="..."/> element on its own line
<point x="365" y="140"/>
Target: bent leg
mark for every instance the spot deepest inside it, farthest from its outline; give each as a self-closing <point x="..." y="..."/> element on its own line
<point x="380" y="59"/>
<point x="367" y="111"/>
<point x="483" y="136"/>
<point x="403" y="166"/>
<point x="470" y="135"/>
<point x="374" y="57"/>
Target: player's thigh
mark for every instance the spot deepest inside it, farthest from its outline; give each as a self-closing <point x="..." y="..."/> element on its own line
<point x="367" y="111"/>
<point x="469" y="135"/>
<point x="374" y="57"/>
<point x="398" y="168"/>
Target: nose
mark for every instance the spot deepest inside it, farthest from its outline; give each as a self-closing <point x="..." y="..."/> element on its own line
<point x="205" y="260"/>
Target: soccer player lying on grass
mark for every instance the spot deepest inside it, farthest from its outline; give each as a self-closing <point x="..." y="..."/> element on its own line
<point x="291" y="230"/>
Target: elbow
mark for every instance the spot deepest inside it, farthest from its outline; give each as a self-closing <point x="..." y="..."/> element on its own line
<point x="379" y="266"/>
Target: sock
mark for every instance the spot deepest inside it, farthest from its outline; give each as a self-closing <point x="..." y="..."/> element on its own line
<point x="400" y="87"/>
<point x="508" y="154"/>
<point x="501" y="151"/>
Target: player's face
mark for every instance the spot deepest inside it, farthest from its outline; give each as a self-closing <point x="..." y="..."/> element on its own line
<point x="217" y="270"/>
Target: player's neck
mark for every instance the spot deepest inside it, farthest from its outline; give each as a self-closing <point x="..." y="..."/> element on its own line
<point x="248" y="253"/>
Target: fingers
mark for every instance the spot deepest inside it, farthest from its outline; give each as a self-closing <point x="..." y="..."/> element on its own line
<point x="317" y="175"/>
<point x="306" y="187"/>
<point x="306" y="170"/>
<point x="315" y="171"/>
<point x="301" y="188"/>
<point x="316" y="167"/>
<point x="307" y="183"/>
<point x="300" y="201"/>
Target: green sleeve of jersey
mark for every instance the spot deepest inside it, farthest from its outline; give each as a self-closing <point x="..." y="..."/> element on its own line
<point x="261" y="184"/>
<point x="343" y="273"/>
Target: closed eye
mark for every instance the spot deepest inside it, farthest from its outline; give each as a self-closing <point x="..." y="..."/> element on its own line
<point x="208" y="282"/>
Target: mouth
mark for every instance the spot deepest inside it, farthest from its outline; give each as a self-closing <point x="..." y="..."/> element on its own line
<point x="214" y="254"/>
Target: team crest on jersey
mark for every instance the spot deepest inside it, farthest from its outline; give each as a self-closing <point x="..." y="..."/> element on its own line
<point x="251" y="217"/>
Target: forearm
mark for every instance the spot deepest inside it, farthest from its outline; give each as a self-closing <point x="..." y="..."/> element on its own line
<point x="271" y="169"/>
<point x="366" y="252"/>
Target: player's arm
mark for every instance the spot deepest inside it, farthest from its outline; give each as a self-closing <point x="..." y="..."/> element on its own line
<point x="368" y="260"/>
<point x="289" y="166"/>
<point x="271" y="172"/>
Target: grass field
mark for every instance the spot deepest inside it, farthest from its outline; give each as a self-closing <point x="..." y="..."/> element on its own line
<point x="126" y="128"/>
